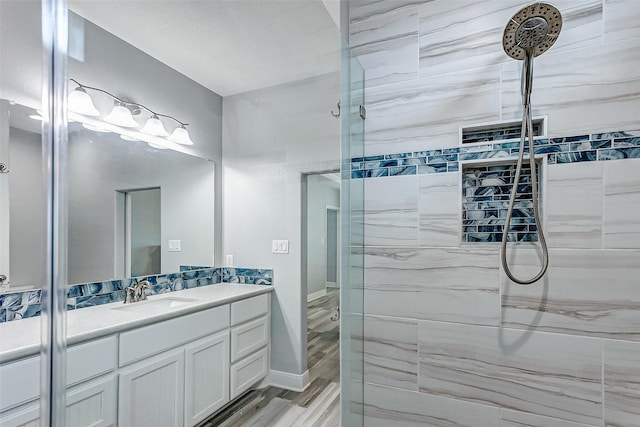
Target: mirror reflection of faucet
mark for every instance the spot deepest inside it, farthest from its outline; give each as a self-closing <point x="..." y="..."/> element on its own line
<point x="4" y="283"/>
<point x="136" y="292"/>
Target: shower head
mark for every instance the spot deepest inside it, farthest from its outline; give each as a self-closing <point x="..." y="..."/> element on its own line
<point x="535" y="28"/>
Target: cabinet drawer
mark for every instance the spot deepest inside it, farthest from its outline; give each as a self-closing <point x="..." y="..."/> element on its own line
<point x="249" y="371"/>
<point x="19" y="382"/>
<point x="153" y="339"/>
<point x="91" y="359"/>
<point x="249" y="337"/>
<point x="249" y="308"/>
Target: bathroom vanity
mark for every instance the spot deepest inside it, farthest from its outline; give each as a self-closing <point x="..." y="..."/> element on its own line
<point x="172" y="360"/>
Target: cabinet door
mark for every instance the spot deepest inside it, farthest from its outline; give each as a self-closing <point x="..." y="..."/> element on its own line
<point x="206" y="377"/>
<point x="156" y="385"/>
<point x="92" y="403"/>
<point x="23" y="416"/>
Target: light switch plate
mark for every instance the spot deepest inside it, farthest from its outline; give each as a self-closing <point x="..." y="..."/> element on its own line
<point x="280" y="246"/>
<point x="174" y="246"/>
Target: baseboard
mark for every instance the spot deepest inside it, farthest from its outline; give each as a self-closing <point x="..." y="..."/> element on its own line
<point x="289" y="381"/>
<point x="316" y="295"/>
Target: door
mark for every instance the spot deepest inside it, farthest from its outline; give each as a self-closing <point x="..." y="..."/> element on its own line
<point x="206" y="377"/>
<point x="157" y="387"/>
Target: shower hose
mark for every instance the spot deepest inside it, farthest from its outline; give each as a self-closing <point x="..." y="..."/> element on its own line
<point x="527" y="128"/>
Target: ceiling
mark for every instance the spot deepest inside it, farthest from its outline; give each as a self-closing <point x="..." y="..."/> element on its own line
<point x="228" y="46"/>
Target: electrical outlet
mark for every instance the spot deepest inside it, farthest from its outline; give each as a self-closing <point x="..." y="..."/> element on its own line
<point x="174" y="246"/>
<point x="280" y="246"/>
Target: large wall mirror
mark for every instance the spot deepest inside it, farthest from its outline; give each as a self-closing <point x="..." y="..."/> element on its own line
<point x="133" y="209"/>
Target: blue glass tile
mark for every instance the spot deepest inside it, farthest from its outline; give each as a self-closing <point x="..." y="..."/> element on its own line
<point x="357" y="174"/>
<point x="474" y="149"/>
<point x="3" y="315"/>
<point x="398" y="156"/>
<point x="565" y="139"/>
<point x="373" y="158"/>
<point x="380" y="164"/>
<point x="432" y="152"/>
<point x="453" y="167"/>
<point x="551" y="159"/>
<point x="74" y="291"/>
<point x="454" y="150"/>
<point x="93" y="300"/>
<point x="435" y="168"/>
<point x="357" y="159"/>
<point x="372" y="173"/>
<point x="443" y="158"/>
<point x="403" y="170"/>
<point x="356" y="166"/>
<point x="626" y="142"/>
<point x="415" y="161"/>
<point x="576" y="156"/>
<point x="604" y="143"/>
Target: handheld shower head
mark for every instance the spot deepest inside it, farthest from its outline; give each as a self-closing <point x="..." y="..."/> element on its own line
<point x="535" y="28"/>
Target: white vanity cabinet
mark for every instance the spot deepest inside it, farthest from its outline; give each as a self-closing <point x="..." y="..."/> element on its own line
<point x="91" y="392"/>
<point x="249" y="342"/>
<point x="172" y="373"/>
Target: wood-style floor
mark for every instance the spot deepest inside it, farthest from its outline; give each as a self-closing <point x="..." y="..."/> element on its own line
<point x="319" y="404"/>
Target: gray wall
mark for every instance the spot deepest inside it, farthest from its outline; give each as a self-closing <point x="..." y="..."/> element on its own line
<point x="271" y="137"/>
<point x="321" y="192"/>
<point x="27" y="208"/>
<point x="448" y="339"/>
<point x="114" y="65"/>
<point x="103" y="164"/>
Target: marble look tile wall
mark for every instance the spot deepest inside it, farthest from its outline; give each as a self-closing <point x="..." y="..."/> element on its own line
<point x="391" y="352"/>
<point x="545" y="374"/>
<point x="585" y="292"/>
<point x="448" y="284"/>
<point x="621" y="383"/>
<point x="560" y="353"/>
<point x="386" y="407"/>
<point x="621" y="203"/>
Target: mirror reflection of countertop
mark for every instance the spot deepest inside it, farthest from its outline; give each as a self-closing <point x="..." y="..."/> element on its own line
<point x="21" y="338"/>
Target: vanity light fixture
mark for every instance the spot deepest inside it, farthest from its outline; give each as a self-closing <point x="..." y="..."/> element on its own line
<point x="158" y="146"/>
<point x="95" y="128"/>
<point x="154" y="127"/>
<point x="80" y="102"/>
<point x="121" y="116"/>
<point x="180" y="136"/>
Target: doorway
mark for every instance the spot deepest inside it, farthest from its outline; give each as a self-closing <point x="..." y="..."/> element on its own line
<point x="139" y="232"/>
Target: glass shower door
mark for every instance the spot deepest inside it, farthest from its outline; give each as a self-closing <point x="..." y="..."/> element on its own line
<point x="352" y="237"/>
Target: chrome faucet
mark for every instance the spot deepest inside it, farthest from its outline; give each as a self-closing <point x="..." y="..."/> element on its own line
<point x="137" y="292"/>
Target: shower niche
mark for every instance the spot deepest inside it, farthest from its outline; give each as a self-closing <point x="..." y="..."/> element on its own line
<point x="486" y="187"/>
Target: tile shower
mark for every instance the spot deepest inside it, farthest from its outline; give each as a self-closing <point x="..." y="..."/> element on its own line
<point x="448" y="339"/>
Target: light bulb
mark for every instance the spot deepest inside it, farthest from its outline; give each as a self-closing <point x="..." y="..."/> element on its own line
<point x="80" y="102"/>
<point x="121" y="116"/>
<point x="129" y="138"/>
<point x="180" y="136"/>
<point x="94" y="128"/>
<point x="154" y="127"/>
<point x="158" y="146"/>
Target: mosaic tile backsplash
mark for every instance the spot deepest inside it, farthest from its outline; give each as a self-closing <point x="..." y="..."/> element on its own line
<point x="485" y="201"/>
<point x="570" y="149"/>
<point x="25" y="304"/>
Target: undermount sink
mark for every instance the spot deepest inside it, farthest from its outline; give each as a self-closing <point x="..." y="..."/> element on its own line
<point x="155" y="305"/>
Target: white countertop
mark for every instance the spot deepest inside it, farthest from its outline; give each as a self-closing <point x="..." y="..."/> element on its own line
<point x="21" y="338"/>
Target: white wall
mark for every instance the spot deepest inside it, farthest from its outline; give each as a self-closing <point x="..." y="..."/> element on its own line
<point x="321" y="192"/>
<point x="270" y="138"/>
